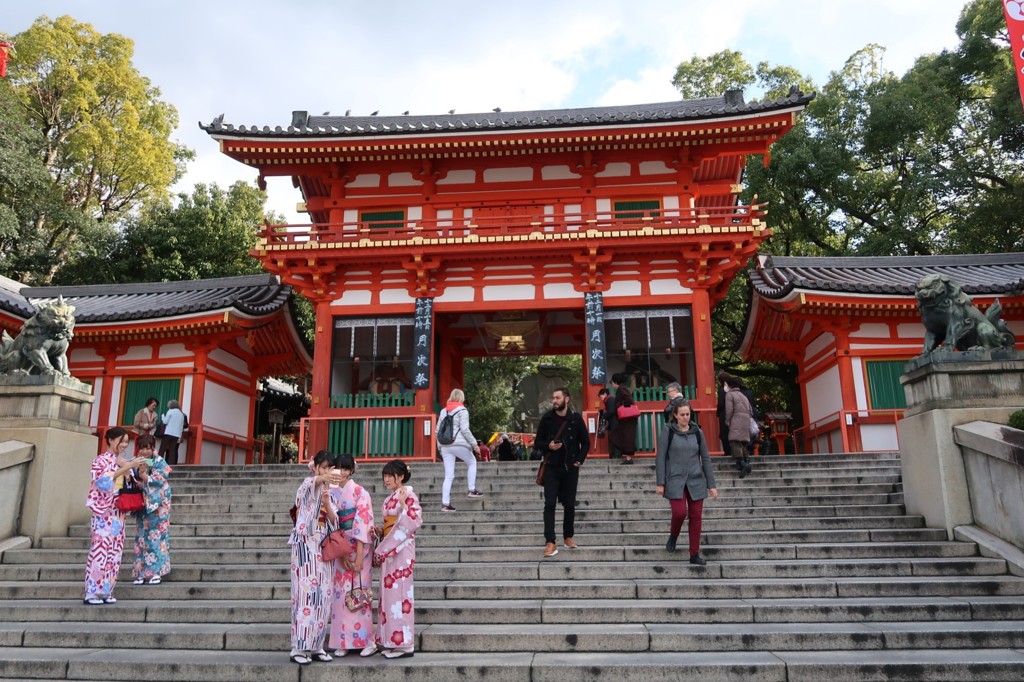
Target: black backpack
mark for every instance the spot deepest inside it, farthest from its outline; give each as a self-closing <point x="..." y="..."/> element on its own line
<point x="446" y="429"/>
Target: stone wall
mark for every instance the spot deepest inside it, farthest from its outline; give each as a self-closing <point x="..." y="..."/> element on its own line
<point x="15" y="458"/>
<point x="993" y="457"/>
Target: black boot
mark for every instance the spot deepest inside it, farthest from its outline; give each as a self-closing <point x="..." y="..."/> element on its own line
<point x="671" y="544"/>
<point x="745" y="467"/>
<point x="697" y="560"/>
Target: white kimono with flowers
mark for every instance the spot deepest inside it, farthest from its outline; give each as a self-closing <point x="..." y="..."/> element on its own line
<point x="397" y="550"/>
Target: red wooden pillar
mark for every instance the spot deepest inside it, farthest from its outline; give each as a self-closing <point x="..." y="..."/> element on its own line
<point x="109" y="354"/>
<point x="321" y="388"/>
<point x="703" y="350"/>
<point x="851" y="431"/>
<point x="194" y="444"/>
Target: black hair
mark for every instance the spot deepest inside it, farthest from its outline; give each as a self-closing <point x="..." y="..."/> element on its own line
<point x="620" y="378"/>
<point x="323" y="456"/>
<point x="145" y="441"/>
<point x="564" y="391"/>
<point x="152" y="400"/>
<point x="397" y="467"/>
<point x="115" y="433"/>
<point x="603" y="391"/>
<point x="345" y="461"/>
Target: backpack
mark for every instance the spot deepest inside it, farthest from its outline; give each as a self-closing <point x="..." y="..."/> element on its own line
<point x="446" y="429"/>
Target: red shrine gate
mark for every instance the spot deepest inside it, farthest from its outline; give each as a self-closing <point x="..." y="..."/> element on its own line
<point x="609" y="232"/>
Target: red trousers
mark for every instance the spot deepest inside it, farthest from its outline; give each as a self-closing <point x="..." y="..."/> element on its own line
<point x="695" y="508"/>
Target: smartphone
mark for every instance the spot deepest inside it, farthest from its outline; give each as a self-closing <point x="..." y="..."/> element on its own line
<point x="336" y="472"/>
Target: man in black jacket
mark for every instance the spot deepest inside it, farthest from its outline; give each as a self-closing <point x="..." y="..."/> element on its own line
<point x="562" y="437"/>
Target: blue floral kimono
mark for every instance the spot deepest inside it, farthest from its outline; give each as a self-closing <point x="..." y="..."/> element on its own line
<point x="152" y="535"/>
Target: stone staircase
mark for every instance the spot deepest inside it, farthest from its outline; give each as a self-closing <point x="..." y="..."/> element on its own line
<point x="814" y="573"/>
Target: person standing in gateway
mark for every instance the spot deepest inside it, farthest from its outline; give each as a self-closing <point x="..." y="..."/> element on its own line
<point x="562" y="437"/>
<point x="175" y="423"/>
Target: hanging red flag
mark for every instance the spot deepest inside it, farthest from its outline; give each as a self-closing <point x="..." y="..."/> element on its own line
<point x="4" y="48"/>
<point x="1014" y="11"/>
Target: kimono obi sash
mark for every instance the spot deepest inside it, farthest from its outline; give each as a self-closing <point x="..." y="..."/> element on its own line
<point x="389" y="523"/>
<point x="346" y="517"/>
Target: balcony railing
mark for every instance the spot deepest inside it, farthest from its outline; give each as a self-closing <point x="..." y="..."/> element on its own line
<point x="732" y="218"/>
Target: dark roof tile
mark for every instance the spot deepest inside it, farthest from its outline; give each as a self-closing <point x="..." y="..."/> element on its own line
<point x="777" y="276"/>
<point x="341" y="126"/>
<point x="252" y="294"/>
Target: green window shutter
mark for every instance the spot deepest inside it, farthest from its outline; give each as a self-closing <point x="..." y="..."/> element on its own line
<point x="137" y="390"/>
<point x="630" y="210"/>
<point x="884" y="388"/>
<point x="384" y="220"/>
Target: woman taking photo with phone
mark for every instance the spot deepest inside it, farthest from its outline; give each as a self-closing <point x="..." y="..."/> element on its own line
<point x="312" y="579"/>
<point x="107" y="540"/>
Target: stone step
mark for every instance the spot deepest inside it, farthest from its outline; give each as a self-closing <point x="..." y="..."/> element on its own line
<point x="566" y="611"/>
<point x="543" y="637"/>
<point x="562" y="567"/>
<point x="757" y="550"/>
<point x="498" y="587"/>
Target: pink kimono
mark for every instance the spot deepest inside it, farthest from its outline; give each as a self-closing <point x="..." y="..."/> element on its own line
<point x="396" y="604"/>
<point x="353" y="629"/>
<point x="107" y="544"/>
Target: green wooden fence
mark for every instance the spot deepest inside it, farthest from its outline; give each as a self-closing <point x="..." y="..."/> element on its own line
<point x="644" y="393"/>
<point x="372" y="400"/>
<point x="389" y="437"/>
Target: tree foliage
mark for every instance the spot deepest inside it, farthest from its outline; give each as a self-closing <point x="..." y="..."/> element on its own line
<point x="101" y="132"/>
<point x="925" y="163"/>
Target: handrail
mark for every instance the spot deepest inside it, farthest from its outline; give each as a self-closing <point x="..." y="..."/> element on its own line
<point x="847" y="422"/>
<point x="523" y="224"/>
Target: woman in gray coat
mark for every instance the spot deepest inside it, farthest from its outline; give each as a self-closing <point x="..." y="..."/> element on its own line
<point x="684" y="476"/>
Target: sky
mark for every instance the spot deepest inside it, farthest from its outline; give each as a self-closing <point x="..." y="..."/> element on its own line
<point x="257" y="60"/>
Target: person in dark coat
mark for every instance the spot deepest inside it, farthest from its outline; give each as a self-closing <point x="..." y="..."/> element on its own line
<point x="506" y="453"/>
<point x="611" y="420"/>
<point x="563" y="438"/>
<point x="675" y="399"/>
<point x="684" y="476"/>
<point x="623" y="436"/>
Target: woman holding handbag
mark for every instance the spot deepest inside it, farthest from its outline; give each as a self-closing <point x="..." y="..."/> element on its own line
<point x="396" y="555"/>
<point x="312" y="584"/>
<point x="684" y="476"/>
<point x="152" y="533"/>
<point x="352" y="608"/>
<point x="623" y="437"/>
<point x="107" y="525"/>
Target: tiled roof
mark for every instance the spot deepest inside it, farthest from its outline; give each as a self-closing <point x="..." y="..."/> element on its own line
<point x="11" y="300"/>
<point x="304" y="125"/>
<point x="776" y="276"/>
<point x="252" y="294"/>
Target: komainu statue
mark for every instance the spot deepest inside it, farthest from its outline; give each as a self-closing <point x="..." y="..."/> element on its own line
<point x="42" y="345"/>
<point x="951" y="320"/>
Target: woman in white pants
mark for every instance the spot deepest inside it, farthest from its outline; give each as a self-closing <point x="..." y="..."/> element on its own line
<point x="463" y="447"/>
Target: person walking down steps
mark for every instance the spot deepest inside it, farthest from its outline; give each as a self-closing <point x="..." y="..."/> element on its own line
<point x="563" y="438"/>
<point x="684" y="476"/>
<point x="456" y="441"/>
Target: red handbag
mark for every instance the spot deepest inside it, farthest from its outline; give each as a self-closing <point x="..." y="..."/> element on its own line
<point x="130" y="499"/>
<point x="628" y="411"/>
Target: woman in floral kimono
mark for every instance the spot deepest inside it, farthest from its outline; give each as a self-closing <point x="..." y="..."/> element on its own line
<point x="312" y="587"/>
<point x="396" y="555"/>
<point x="152" y="551"/>
<point x="352" y="629"/>
<point x="107" y="541"/>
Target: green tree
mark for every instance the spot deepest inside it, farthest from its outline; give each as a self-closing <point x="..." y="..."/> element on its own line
<point x="27" y="192"/>
<point x="103" y="128"/>
<point x="206" y="234"/>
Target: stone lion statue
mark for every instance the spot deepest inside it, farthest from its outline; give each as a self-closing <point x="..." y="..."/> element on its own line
<point x="42" y="345"/>
<point x="951" y="320"/>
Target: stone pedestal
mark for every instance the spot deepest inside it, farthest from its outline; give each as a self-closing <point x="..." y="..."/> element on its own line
<point x="51" y="413"/>
<point x="943" y="390"/>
